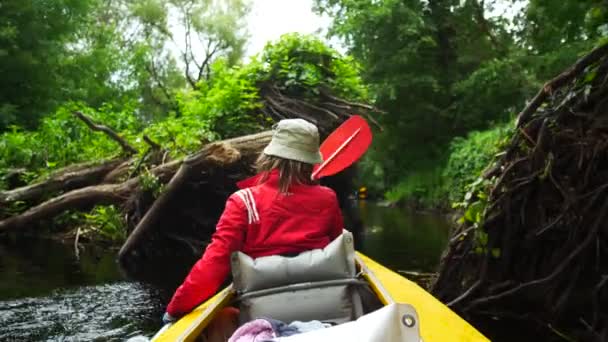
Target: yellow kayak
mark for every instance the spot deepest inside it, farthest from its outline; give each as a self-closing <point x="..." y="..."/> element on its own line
<point x="437" y="321"/>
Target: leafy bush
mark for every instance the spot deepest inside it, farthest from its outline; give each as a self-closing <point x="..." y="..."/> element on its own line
<point x="470" y="156"/>
<point x="437" y="183"/>
<point x="229" y="104"/>
<point x="61" y="139"/>
<point x="150" y="182"/>
<point x="181" y="135"/>
<point x="491" y="93"/>
<point x="424" y="186"/>
<point x="107" y="221"/>
<point x="302" y="65"/>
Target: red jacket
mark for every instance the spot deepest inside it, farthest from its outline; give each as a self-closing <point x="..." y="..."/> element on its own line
<point x="260" y="221"/>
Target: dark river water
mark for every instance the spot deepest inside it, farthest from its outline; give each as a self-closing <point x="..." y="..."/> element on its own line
<point x="47" y="294"/>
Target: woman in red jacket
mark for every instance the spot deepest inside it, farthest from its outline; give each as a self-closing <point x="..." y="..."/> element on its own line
<point x="285" y="213"/>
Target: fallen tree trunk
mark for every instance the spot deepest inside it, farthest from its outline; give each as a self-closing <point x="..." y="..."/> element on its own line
<point x="216" y="154"/>
<point x="79" y="175"/>
<point x="65" y="180"/>
<point x="170" y="207"/>
<point x="73" y="200"/>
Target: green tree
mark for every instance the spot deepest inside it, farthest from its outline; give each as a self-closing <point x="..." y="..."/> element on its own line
<point x="417" y="55"/>
<point x="117" y="52"/>
<point x="34" y="37"/>
<point x="554" y="34"/>
<point x="442" y="68"/>
<point x="217" y="27"/>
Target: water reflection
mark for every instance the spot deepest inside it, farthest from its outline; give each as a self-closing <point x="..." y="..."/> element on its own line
<point x="35" y="267"/>
<point x="401" y="239"/>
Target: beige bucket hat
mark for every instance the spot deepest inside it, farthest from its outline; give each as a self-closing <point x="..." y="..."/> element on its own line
<point x="295" y="139"/>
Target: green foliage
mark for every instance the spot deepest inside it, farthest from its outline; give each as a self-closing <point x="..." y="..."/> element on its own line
<point x="181" y="135"/>
<point x="33" y="44"/>
<point x="436" y="67"/>
<point x="107" y="221"/>
<point x="424" y="186"/>
<point x="150" y="182"/>
<point x="228" y="104"/>
<point x="458" y="180"/>
<point x="62" y="139"/>
<point x="110" y="52"/>
<point x="491" y="93"/>
<point x="470" y="156"/>
<point x="444" y="68"/>
<point x="302" y="65"/>
<point x="550" y="28"/>
<point x="474" y="205"/>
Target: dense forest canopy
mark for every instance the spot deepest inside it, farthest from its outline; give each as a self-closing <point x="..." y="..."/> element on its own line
<point x="110" y="52"/>
<point x="442" y="68"/>
<point x="175" y="71"/>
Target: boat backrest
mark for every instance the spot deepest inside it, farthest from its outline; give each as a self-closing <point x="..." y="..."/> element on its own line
<point x="319" y="284"/>
<point x="335" y="261"/>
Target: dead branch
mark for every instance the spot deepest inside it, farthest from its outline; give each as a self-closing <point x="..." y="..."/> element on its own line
<point x="546" y="209"/>
<point x="101" y="128"/>
<point x="218" y="154"/>
<point x="119" y="173"/>
<point x="154" y="145"/>
<point x="73" y="200"/>
<point x="559" y="81"/>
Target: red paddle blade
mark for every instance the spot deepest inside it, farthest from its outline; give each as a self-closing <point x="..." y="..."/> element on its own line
<point x="344" y="146"/>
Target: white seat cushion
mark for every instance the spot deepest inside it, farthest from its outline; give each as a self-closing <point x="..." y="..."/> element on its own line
<point x="335" y="261"/>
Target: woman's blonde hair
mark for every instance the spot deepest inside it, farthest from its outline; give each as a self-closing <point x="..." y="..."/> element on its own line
<point x="290" y="171"/>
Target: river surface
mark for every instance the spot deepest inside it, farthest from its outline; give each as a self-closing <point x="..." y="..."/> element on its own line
<point x="47" y="294"/>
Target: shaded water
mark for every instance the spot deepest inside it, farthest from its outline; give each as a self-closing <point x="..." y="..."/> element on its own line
<point x="46" y="294"/>
<point x="403" y="240"/>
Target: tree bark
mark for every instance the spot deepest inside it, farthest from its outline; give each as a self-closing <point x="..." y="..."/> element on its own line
<point x="76" y="199"/>
<point x="68" y="179"/>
